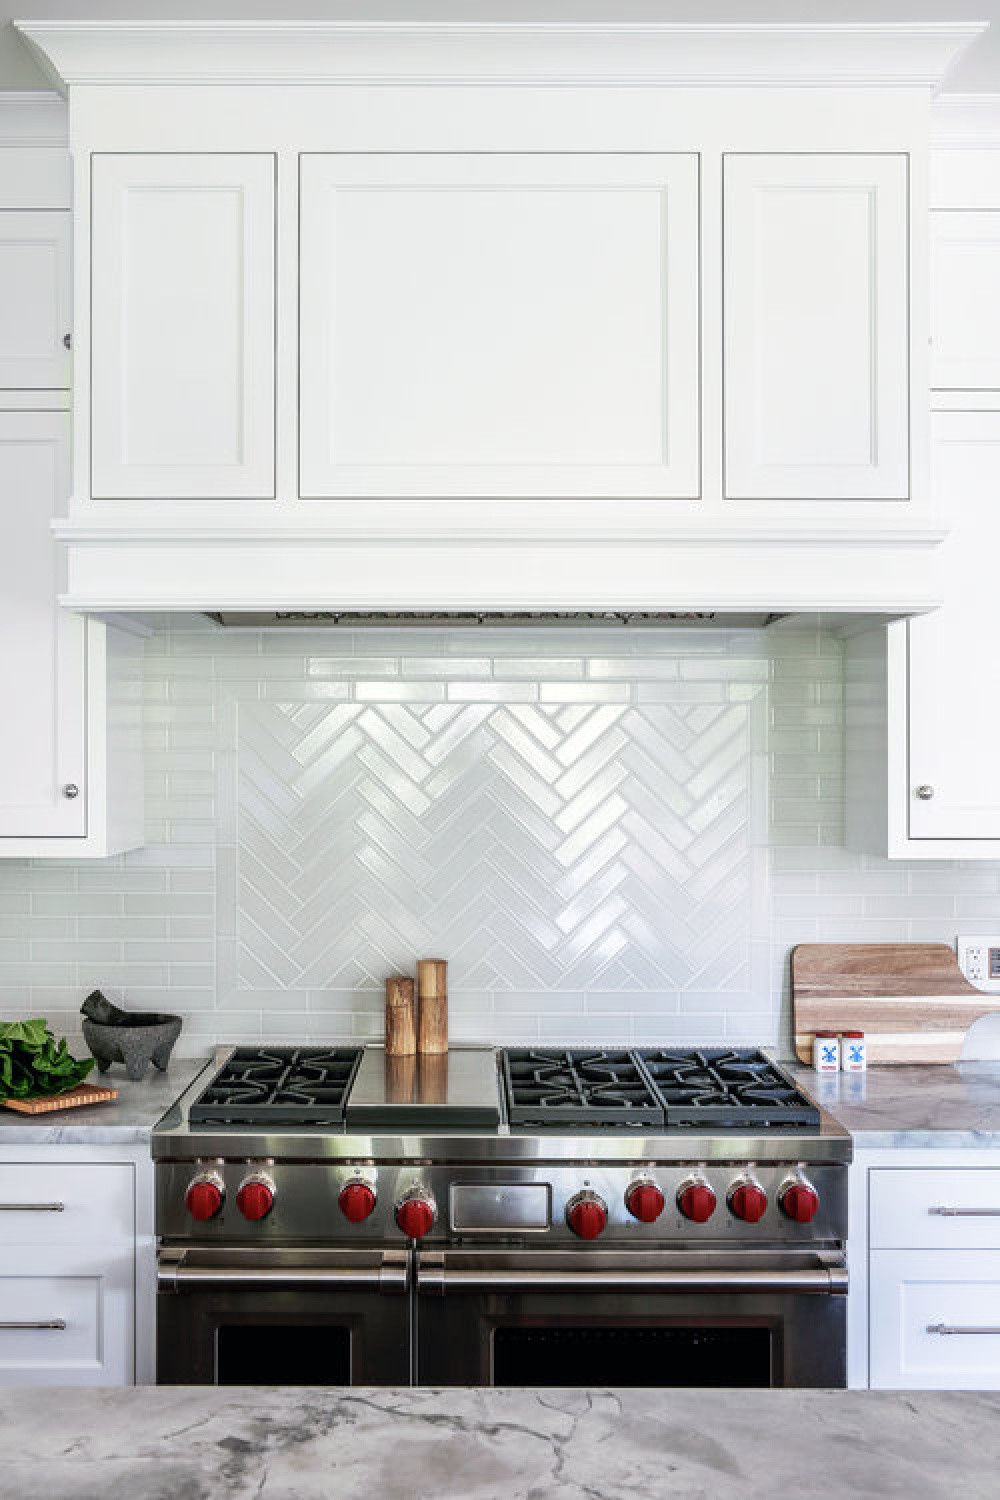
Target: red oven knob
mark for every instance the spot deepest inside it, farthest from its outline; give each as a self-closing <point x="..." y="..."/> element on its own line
<point x="748" y="1201"/>
<point x="644" y="1201"/>
<point x="587" y="1215"/>
<point x="696" y="1201"/>
<point x="255" y="1198"/>
<point x="205" y="1196"/>
<point x="799" y="1200"/>
<point x="357" y="1202"/>
<point x="415" y="1214"/>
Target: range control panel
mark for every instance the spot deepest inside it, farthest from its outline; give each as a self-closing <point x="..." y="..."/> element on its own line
<point x="648" y="1204"/>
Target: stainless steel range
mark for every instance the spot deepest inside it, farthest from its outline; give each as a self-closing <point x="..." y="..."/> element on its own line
<point x="531" y="1216"/>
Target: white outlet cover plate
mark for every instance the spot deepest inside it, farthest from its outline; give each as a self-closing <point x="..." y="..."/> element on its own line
<point x="979" y="960"/>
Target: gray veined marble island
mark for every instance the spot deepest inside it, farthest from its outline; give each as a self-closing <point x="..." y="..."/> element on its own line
<point x="362" y="1444"/>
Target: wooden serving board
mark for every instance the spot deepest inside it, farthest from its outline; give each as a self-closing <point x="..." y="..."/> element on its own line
<point x="911" y="1000"/>
<point x="84" y="1093"/>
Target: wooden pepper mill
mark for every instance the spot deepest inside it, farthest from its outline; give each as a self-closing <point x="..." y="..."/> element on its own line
<point x="432" y="985"/>
<point x="400" y="1031"/>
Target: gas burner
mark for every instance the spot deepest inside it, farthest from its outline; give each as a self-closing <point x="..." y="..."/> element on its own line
<point x="715" y="1087"/>
<point x="578" y="1088"/>
<point x="279" y="1085"/>
<point x="737" y="1088"/>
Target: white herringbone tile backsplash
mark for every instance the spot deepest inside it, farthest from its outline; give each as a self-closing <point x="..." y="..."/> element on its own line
<point x="611" y="835"/>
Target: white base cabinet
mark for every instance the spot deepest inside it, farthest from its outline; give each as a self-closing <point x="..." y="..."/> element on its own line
<point x="75" y="1250"/>
<point x="924" y="1310"/>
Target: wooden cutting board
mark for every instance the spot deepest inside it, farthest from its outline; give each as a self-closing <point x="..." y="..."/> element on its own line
<point x="84" y="1093"/>
<point x="911" y="1000"/>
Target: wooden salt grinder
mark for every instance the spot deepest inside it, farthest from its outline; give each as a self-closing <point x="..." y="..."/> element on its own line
<point x="400" y="1032"/>
<point x="432" y="985"/>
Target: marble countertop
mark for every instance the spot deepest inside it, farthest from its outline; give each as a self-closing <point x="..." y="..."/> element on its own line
<point x="311" y="1444"/>
<point x="128" y="1119"/>
<point x="945" y="1107"/>
<point x="935" y="1106"/>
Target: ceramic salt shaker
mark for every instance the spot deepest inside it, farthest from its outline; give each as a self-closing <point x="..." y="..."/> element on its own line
<point x="853" y="1052"/>
<point x="826" y="1052"/>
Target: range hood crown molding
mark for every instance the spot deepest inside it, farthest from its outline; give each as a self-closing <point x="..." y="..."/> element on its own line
<point x="389" y="526"/>
<point x="534" y="53"/>
<point x="301" y="573"/>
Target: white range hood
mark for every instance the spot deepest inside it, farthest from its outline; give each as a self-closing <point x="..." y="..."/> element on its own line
<point x="500" y="319"/>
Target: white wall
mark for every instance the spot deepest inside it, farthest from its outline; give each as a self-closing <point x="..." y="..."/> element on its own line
<point x="979" y="72"/>
<point x="610" y="835"/>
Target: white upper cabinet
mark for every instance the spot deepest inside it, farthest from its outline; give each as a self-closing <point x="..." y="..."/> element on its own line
<point x="965" y="300"/>
<point x="816" y="327"/>
<point x="954" y="712"/>
<point x="923" y="720"/>
<point x="42" y="648"/>
<point x="182" y="326"/>
<point x="499" y="325"/>
<point x="35" y="319"/>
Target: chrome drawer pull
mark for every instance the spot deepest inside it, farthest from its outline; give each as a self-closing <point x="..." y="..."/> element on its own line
<point x="946" y="1328"/>
<point x="966" y="1213"/>
<point x="32" y="1208"/>
<point x="57" y="1324"/>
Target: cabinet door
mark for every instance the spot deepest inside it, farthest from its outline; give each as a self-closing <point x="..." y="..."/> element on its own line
<point x="934" y="1320"/>
<point x="816" y="327"/>
<point x="34" y="299"/>
<point x="67" y="1319"/>
<point x="953" y="707"/>
<point x="42" y="648"/>
<point x="965" y="307"/>
<point x="182" y="326"/>
<point x="499" y="325"/>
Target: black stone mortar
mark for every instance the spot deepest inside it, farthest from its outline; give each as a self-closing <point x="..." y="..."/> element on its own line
<point x="133" y="1037"/>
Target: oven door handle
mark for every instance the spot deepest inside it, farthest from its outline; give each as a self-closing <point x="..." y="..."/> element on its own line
<point x="436" y="1278"/>
<point x="390" y="1273"/>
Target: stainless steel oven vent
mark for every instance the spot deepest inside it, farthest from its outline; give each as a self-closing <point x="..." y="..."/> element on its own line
<point x="472" y="619"/>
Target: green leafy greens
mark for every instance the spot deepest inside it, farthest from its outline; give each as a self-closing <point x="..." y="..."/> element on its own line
<point x="33" y="1064"/>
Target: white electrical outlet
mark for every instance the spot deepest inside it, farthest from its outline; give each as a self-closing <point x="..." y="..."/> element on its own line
<point x="979" y="960"/>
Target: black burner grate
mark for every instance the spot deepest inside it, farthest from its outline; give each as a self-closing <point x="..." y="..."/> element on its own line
<point x="578" y="1088"/>
<point x="711" y="1087"/>
<point x="727" y="1087"/>
<point x="280" y="1086"/>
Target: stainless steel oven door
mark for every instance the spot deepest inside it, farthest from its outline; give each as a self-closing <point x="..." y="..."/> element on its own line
<point x="536" y="1318"/>
<point x="227" y="1316"/>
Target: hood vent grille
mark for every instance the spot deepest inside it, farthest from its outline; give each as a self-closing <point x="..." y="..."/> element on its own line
<point x="472" y="619"/>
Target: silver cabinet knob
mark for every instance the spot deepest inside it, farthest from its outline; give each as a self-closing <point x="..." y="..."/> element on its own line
<point x="71" y="790"/>
<point x="925" y="792"/>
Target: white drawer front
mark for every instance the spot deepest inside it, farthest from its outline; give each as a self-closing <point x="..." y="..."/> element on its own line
<point x="58" y="1329"/>
<point x="66" y="1204"/>
<point x="917" y="1209"/>
<point x="935" y="1320"/>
